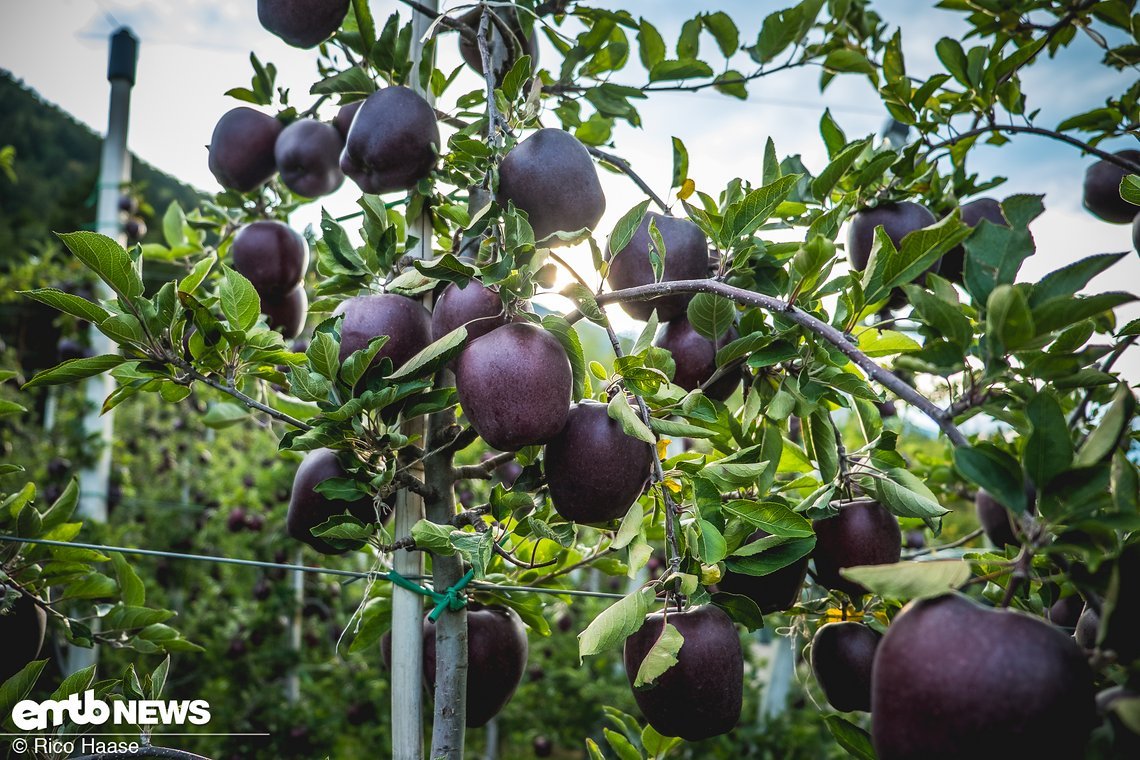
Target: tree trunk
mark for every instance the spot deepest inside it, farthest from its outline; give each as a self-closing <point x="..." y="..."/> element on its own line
<point x="451" y="629"/>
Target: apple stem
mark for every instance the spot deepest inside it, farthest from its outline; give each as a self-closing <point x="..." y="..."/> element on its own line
<point x="624" y="167"/>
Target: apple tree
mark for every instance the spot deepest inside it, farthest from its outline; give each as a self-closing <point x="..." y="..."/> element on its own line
<point x="740" y="435"/>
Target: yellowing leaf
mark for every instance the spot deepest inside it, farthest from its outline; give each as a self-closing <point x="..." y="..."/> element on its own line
<point x="663" y="447"/>
<point x="687" y="188"/>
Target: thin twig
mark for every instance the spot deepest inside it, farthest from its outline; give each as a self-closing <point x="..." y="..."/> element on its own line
<point x="484" y="469"/>
<point x="953" y="544"/>
<point x="624" y="167"/>
<point x="230" y="390"/>
<point x="1112" y="158"/>
<point x="1079" y="413"/>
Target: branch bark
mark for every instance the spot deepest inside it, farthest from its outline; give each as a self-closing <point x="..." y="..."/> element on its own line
<point x="1112" y="158"/>
<point x="794" y="314"/>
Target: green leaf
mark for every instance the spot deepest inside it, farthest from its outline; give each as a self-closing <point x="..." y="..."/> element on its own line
<point x="77" y="307"/>
<point x="723" y="30"/>
<point x="657" y="251"/>
<point x="852" y="738"/>
<point x="630" y="527"/>
<point x="197" y="275"/>
<point x="1112" y="425"/>
<point x="910" y="579"/>
<point x="76" y="683"/>
<point x="572" y="344"/>
<point x="822" y="185"/>
<point x="905" y="495"/>
<point x="660" y="657"/>
<point x="713" y="547"/>
<point x="651" y="47"/>
<point x="632" y="424"/>
<point x="953" y="58"/>
<point x="874" y="342"/>
<point x="846" y="60"/>
<point x="240" y="302"/>
<point x="323" y="354"/>
<point x="223" y="414"/>
<point x="173" y="225"/>
<point x="106" y="258"/>
<point x="358" y="362"/>
<point x="994" y="253"/>
<point x="1048" y="448"/>
<point x="745" y="216"/>
<point x="1130" y="189"/>
<point x="772" y="517"/>
<point x="75" y="369"/>
<point x="824" y="445"/>
<point x="769" y="554"/>
<point x="711" y="315"/>
<point x="1071" y="278"/>
<point x="996" y="471"/>
<point x="615" y="623"/>
<point x="680" y="163"/>
<point x="433" y="538"/>
<point x="945" y="318"/>
<point x="672" y="70"/>
<point x="1059" y="313"/>
<point x="1009" y="322"/>
<point x="621" y="745"/>
<point x="131" y="587"/>
<point x="433" y="357"/>
<point x="17" y="688"/>
<point x="476" y="548"/>
<point x="626" y="226"/>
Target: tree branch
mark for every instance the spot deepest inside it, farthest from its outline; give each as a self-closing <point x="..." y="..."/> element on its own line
<point x="230" y="390"/>
<point x="1112" y="158"/>
<point x="483" y="470"/>
<point x="832" y="335"/>
<point x="443" y="20"/>
<point x="624" y="167"/>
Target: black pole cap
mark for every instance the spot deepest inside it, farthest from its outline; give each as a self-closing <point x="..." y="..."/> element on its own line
<point x="124" y="56"/>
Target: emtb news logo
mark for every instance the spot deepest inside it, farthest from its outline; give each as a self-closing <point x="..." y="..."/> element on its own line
<point x="29" y="715"/>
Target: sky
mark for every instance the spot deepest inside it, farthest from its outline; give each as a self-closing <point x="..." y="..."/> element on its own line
<point x="194" y="50"/>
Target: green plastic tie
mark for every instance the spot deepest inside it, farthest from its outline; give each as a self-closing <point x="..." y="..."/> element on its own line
<point x="453" y="599"/>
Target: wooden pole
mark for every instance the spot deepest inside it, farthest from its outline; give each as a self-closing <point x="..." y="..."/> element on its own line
<point x="407" y="607"/>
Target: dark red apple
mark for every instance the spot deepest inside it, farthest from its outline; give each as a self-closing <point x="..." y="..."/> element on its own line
<point x="496" y="659"/>
<point x="953" y="679"/>
<point x="392" y="143"/>
<point x="841" y="658"/>
<point x="503" y="51"/>
<point x="344" y="116"/>
<point x="479" y="308"/>
<point x="309" y="508"/>
<point x="406" y="323"/>
<point x="514" y="385"/>
<point x="896" y="219"/>
<point x="701" y="695"/>
<point x="272" y="256"/>
<point x="995" y="520"/>
<point x="287" y="314"/>
<point x="241" y="149"/>
<point x="302" y="23"/>
<point x="1066" y="611"/>
<point x="551" y="177"/>
<point x="695" y="357"/>
<point x="686" y="258"/>
<point x="1102" y="190"/>
<point x="594" y="470"/>
<point x="22" y="628"/>
<point x="774" y="592"/>
<point x="863" y="533"/>
<point x="1088" y="625"/>
<point x="972" y="215"/>
<point x="307" y="153"/>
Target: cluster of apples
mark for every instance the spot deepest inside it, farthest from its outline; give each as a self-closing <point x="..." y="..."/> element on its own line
<point x="1102" y="193"/>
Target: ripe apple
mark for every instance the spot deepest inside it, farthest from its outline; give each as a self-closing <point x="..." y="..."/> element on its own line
<point x="307" y="153"/>
<point x="272" y="256"/>
<point x="953" y="679"/>
<point x="496" y="659"/>
<point x="287" y="314"/>
<point x="1066" y="611"/>
<point x="695" y="358"/>
<point x="302" y="23"/>
<point x="1102" y="190"/>
<point x="863" y="533"/>
<point x="897" y="220"/>
<point x="995" y="520"/>
<point x="551" y="177"/>
<point x="1088" y="625"/>
<point x="701" y="695"/>
<point x="241" y="149"/>
<point x="344" y="116"/>
<point x="594" y="470"/>
<point x="972" y="215"/>
<point x="406" y="323"/>
<point x="841" y="658"/>
<point x="514" y="384"/>
<point x="392" y="143"/>
<point x="478" y="307"/>
<point x="309" y="508"/>
<point x="22" y="628"/>
<point x="774" y="592"/>
<point x="686" y="258"/>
